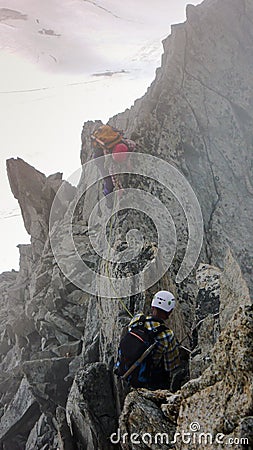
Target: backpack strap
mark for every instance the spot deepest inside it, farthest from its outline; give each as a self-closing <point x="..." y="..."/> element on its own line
<point x="140" y="322"/>
<point x="158" y="330"/>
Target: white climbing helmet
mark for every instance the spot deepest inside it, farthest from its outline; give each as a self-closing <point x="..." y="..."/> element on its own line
<point x="164" y="300"/>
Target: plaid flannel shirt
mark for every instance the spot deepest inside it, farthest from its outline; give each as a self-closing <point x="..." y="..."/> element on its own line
<point x="166" y="350"/>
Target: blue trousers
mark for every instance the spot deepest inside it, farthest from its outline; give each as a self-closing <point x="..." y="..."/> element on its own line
<point x="107" y="179"/>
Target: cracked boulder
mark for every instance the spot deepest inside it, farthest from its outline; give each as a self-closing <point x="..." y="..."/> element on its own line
<point x="49" y="381"/>
<point x="234" y="291"/>
<point x="143" y="425"/>
<point x="43" y="435"/>
<point x="19" y="417"/>
<point x="35" y="193"/>
<point x="91" y="410"/>
<point x="222" y="398"/>
<point x="219" y="296"/>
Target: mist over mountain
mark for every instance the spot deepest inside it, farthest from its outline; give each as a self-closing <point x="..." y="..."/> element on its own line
<point x="50" y="52"/>
<point x="59" y="340"/>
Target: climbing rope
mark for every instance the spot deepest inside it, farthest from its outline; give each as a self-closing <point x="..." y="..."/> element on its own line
<point x="117" y="184"/>
<point x="107" y="264"/>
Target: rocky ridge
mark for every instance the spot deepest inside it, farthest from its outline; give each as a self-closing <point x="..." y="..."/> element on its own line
<point x="58" y="343"/>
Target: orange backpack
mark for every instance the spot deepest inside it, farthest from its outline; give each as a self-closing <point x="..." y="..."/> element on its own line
<point x="106" y="136"/>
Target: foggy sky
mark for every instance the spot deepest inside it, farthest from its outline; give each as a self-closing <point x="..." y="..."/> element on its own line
<point x="49" y="53"/>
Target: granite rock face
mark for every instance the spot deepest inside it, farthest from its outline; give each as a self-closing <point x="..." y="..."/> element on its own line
<point x="91" y="413"/>
<point x="234" y="291"/>
<point x="198" y="114"/>
<point x="221" y="293"/>
<point x="143" y="421"/>
<point x="58" y="343"/>
<point x="228" y="378"/>
<point x="22" y="412"/>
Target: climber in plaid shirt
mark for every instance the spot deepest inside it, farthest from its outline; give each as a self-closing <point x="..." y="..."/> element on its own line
<point x="165" y="356"/>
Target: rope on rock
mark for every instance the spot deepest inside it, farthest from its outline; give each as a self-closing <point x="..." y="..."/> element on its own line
<point x="107" y="265"/>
